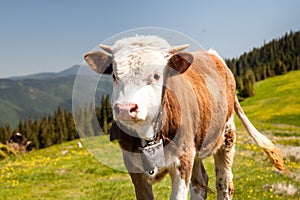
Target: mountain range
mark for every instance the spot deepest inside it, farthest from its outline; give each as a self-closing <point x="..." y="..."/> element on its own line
<point x="36" y="95"/>
<point x="49" y="75"/>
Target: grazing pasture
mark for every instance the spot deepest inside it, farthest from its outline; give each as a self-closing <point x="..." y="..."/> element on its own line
<point x="68" y="172"/>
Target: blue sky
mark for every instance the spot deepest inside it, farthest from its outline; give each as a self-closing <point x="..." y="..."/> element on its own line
<point x="50" y="36"/>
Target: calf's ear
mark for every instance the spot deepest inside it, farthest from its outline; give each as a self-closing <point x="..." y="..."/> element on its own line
<point x="100" y="62"/>
<point x="181" y="61"/>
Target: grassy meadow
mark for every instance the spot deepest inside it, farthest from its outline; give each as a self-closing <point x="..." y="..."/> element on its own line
<point x="68" y="172"/>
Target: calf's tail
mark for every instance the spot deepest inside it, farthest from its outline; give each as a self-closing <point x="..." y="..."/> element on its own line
<point x="262" y="141"/>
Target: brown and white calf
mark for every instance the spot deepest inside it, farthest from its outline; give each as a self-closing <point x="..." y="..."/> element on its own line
<point x="184" y="99"/>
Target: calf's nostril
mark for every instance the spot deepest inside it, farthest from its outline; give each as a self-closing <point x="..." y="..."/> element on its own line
<point x="134" y="108"/>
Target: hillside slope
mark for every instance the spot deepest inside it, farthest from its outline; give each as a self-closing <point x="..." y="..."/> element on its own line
<point x="275" y="108"/>
<point x="23" y="98"/>
<point x="68" y="172"/>
<point x="276" y="57"/>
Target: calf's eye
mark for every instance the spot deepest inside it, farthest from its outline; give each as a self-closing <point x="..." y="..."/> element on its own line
<point x="156" y="76"/>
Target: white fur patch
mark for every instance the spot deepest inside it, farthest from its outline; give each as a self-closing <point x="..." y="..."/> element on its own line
<point x="130" y="54"/>
<point x="140" y="41"/>
<point x="179" y="188"/>
<point x="132" y="61"/>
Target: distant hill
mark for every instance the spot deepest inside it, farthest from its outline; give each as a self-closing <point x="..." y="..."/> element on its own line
<point x="39" y="94"/>
<point x="275" y="108"/>
<point x="276" y="57"/>
<point x="47" y="75"/>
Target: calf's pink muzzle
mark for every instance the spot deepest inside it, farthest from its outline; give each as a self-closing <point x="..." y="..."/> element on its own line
<point x="127" y="111"/>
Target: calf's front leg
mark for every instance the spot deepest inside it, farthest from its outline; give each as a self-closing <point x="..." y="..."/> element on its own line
<point x="143" y="190"/>
<point x="180" y="174"/>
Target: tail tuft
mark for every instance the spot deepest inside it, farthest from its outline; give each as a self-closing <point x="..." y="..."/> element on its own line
<point x="262" y="141"/>
<point x="276" y="158"/>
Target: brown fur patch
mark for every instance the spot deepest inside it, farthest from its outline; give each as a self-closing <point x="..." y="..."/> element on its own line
<point x="229" y="139"/>
<point x="186" y="165"/>
<point x="158" y="177"/>
<point x="193" y="74"/>
<point x="172" y="116"/>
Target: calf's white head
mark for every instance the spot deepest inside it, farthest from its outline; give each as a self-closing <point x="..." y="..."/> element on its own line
<point x="137" y="65"/>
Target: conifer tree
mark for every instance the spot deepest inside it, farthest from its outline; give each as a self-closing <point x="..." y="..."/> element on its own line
<point x="2" y="135"/>
<point x="104" y="115"/>
<point x="71" y="128"/>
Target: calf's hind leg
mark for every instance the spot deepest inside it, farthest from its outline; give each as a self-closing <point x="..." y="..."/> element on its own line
<point x="199" y="181"/>
<point x="223" y="162"/>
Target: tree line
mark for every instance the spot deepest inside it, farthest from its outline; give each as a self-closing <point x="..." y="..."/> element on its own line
<point x="93" y="121"/>
<point x="60" y="126"/>
<point x="274" y="58"/>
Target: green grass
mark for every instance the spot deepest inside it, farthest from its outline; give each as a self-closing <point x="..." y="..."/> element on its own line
<point x="276" y="101"/>
<point x="68" y="172"/>
<point x="64" y="172"/>
<point x="275" y="108"/>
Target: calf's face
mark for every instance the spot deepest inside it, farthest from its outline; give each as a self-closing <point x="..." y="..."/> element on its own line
<point x="137" y="90"/>
<point x="138" y="72"/>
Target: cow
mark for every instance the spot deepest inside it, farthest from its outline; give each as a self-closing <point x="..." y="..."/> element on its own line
<point x="172" y="109"/>
<point x="18" y="142"/>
